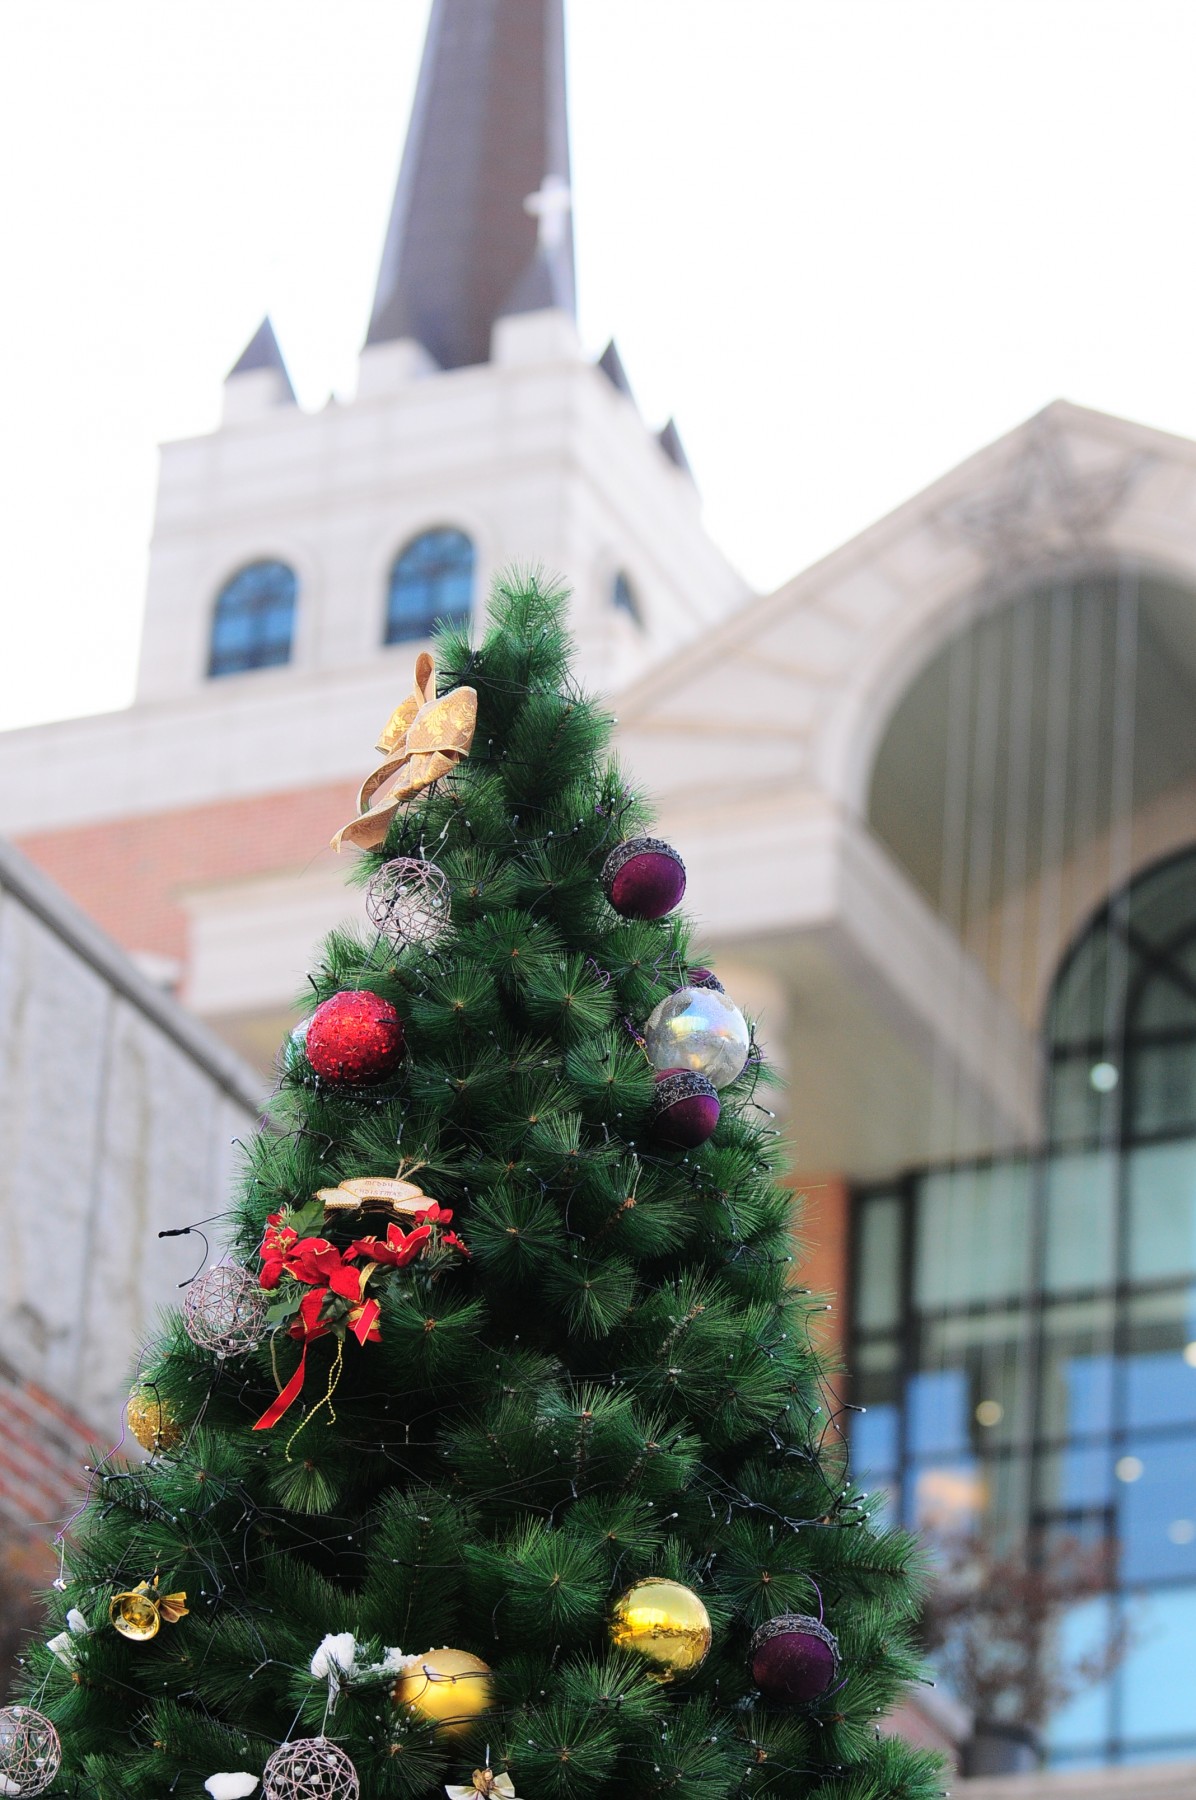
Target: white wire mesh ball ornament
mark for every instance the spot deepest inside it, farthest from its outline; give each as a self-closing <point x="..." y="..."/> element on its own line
<point x="224" y="1310"/>
<point x="310" y="1769"/>
<point x="409" y="901"/>
<point x="30" y="1751"/>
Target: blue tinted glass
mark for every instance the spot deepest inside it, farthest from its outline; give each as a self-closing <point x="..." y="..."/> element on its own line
<point x="1157" y="1509"/>
<point x="254" y="620"/>
<point x="1090" y="1382"/>
<point x="874" y="1438"/>
<point x="1156" y="1679"/>
<point x="937" y="1402"/>
<point x="431" y="583"/>
<point x="1086" y="1720"/>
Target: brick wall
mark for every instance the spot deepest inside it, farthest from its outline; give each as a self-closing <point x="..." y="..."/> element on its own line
<point x="43" y="1450"/>
<point x="127" y="873"/>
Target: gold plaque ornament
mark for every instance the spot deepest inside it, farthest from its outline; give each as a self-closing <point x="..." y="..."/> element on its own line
<point x="150" y="1420"/>
<point x="665" y="1624"/>
<point x="424" y="738"/>
<point x="445" y="1688"/>
<point x="376" y="1193"/>
<point x="141" y="1612"/>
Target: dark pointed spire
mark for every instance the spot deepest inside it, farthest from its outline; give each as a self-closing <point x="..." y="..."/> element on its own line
<point x="669" y="439"/>
<point x="262" y="352"/>
<point x="480" y="225"/>
<point x="611" y="364"/>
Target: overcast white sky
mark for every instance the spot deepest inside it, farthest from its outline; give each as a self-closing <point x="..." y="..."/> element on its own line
<point x="845" y="241"/>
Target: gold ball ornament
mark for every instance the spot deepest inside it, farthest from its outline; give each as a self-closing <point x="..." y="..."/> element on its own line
<point x="445" y="1688"/>
<point x="665" y="1624"/>
<point x="151" y="1420"/>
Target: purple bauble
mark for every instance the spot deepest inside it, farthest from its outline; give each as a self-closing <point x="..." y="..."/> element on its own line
<point x="686" y="1108"/>
<point x="794" y="1658"/>
<point x="705" y="978"/>
<point x="643" y="878"/>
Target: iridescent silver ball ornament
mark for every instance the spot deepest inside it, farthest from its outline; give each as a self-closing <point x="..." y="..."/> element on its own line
<point x="224" y="1310"/>
<point x="410" y="901"/>
<point x="310" y="1769"/>
<point x="699" y="1029"/>
<point x="30" y="1751"/>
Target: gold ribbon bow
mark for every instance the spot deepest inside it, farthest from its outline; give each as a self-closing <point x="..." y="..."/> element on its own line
<point x="424" y="738"/>
<point x="484" y="1784"/>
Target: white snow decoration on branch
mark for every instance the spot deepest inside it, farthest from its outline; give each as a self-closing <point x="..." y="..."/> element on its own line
<point x="231" y="1787"/>
<point x="336" y="1657"/>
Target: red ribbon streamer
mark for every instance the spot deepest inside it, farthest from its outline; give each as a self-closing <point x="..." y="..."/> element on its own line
<point x="287" y="1398"/>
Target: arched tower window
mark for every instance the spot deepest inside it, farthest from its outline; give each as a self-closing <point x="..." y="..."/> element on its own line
<point x="431" y="583"/>
<point x="254" y="620"/>
<point x="624" y="599"/>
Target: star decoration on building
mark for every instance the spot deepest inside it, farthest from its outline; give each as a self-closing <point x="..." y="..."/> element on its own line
<point x="1043" y="509"/>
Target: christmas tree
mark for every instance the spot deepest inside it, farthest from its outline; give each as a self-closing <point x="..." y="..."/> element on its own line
<point x="495" y="1457"/>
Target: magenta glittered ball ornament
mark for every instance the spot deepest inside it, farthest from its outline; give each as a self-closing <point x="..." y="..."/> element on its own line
<point x="705" y="978"/>
<point x="355" y="1038"/>
<point x="685" y="1108"/>
<point x="643" y="878"/>
<point x="794" y="1658"/>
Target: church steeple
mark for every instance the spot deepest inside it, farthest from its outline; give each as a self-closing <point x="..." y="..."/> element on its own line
<point x="480" y="224"/>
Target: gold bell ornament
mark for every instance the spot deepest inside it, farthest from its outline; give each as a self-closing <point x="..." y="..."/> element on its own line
<point x="446" y="1688"/>
<point x="663" y="1623"/>
<point x="140" y="1613"/>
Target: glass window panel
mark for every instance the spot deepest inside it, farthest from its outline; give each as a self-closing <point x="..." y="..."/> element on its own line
<point x="1076" y="1478"/>
<point x="1081" y="1220"/>
<point x="1161" y="1179"/>
<point x="937" y="1412"/>
<point x="1163" y="1088"/>
<point x="1163" y="1004"/>
<point x="876" y="1388"/>
<point x="431" y="582"/>
<point x="1080" y="1005"/>
<point x="1077" y="1381"/>
<point x="985" y="1354"/>
<point x="1079" y="1112"/>
<point x="1086" y="1722"/>
<point x="1156" y="1678"/>
<point x="253" y="621"/>
<point x="874" y="1436"/>
<point x="948" y="1497"/>
<point x="973" y="1235"/>
<point x="878" y="1263"/>
<point x="1159" y="1383"/>
<point x="1157" y="1509"/>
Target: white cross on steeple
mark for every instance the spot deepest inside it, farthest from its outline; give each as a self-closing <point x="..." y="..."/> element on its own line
<point x="550" y="207"/>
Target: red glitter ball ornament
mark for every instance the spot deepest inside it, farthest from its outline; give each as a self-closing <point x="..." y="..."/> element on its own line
<point x="355" y="1038"/>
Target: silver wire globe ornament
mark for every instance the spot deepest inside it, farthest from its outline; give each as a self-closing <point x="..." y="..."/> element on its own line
<point x="409" y="901"/>
<point x="310" y="1769"/>
<point x="698" y="1028"/>
<point x="30" y="1751"/>
<point x="224" y="1310"/>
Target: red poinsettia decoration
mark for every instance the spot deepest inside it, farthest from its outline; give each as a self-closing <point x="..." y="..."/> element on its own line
<point x="332" y="1276"/>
